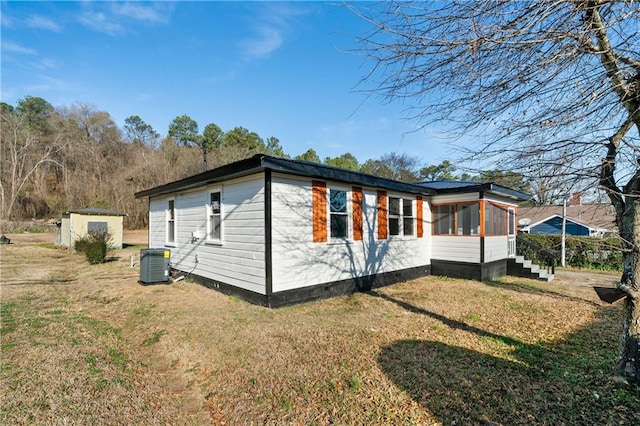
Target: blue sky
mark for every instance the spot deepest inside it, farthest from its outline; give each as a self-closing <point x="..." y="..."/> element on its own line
<point x="279" y="69"/>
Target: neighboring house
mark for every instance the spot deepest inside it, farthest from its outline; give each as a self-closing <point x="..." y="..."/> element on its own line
<point x="77" y="224"/>
<point x="588" y="220"/>
<point x="276" y="231"/>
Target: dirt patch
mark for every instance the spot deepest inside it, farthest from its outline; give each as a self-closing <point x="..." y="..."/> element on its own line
<point x="137" y="237"/>
<point x="586" y="278"/>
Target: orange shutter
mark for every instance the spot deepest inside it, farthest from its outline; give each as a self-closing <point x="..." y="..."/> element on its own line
<point x="356" y="200"/>
<point x="319" y="211"/>
<point x="419" y="216"/>
<point x="382" y="215"/>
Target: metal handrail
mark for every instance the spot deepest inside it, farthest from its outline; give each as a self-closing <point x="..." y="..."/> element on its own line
<point x="547" y="256"/>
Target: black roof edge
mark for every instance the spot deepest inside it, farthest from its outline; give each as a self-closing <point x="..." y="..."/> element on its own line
<point x="484" y="186"/>
<point x="260" y="162"/>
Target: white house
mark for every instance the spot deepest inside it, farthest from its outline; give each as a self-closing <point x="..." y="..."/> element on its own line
<point x="276" y="231"/>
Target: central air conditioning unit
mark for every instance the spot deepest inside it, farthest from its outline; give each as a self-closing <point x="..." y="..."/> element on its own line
<point x="154" y="265"/>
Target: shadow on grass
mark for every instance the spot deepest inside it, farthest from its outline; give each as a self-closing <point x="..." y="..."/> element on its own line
<point x="562" y="382"/>
<point x="523" y="288"/>
<point x="134" y="246"/>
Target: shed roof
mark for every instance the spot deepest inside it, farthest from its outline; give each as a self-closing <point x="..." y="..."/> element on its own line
<point x="461" y="186"/>
<point x="96" y="211"/>
<point x="262" y="162"/>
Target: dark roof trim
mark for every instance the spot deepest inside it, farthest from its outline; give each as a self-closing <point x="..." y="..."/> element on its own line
<point x="96" y="212"/>
<point x="263" y="162"/>
<point x="458" y="187"/>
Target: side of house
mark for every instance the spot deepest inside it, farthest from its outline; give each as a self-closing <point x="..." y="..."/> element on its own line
<point x="278" y="231"/>
<point x="216" y="232"/>
<point x="331" y="237"/>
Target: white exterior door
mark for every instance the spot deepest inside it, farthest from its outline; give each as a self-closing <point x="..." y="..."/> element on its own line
<point x="511" y="236"/>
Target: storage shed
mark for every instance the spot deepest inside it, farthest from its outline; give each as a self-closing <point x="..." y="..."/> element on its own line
<point x="76" y="224"/>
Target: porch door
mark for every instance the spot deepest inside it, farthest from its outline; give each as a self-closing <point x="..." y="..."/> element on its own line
<point x="511" y="236"/>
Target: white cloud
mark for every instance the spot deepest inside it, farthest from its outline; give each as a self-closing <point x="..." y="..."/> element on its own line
<point x="47" y="83"/>
<point x="6" y="21"/>
<point x="43" y="23"/>
<point x="147" y="12"/>
<point x="46" y="64"/>
<point x="9" y="46"/>
<point x="264" y="43"/>
<point x="114" y="18"/>
<point x="270" y="27"/>
<point x="100" y="22"/>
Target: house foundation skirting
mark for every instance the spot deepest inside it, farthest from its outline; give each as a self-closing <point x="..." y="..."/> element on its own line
<point x="471" y="271"/>
<point x="316" y="292"/>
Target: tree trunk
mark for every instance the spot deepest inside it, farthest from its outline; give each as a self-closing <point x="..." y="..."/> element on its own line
<point x="628" y="367"/>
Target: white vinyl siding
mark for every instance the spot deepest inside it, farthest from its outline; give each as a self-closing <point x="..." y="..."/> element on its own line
<point x="241" y="260"/>
<point x="455" y="198"/>
<point x="495" y="248"/>
<point x="457" y="248"/>
<point x="298" y="262"/>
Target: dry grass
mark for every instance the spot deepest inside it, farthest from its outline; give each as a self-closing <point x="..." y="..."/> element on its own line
<point x="86" y="344"/>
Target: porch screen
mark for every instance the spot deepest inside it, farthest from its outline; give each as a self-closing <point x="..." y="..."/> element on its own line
<point x="495" y="219"/>
<point x="443" y="219"/>
<point x="468" y="219"/>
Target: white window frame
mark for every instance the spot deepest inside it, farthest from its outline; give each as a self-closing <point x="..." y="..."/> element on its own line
<point x="210" y="213"/>
<point x="400" y="217"/>
<point x="171" y="222"/>
<point x="348" y="214"/>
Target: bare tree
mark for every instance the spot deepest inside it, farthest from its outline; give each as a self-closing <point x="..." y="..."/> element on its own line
<point x="558" y="80"/>
<point x="23" y="151"/>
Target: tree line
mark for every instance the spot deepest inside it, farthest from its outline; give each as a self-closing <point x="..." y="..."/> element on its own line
<point x="56" y="159"/>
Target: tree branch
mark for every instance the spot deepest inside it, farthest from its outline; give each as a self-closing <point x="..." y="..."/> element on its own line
<point x="631" y="293"/>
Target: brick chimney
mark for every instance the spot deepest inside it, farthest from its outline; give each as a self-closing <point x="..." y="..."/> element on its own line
<point x="576" y="199"/>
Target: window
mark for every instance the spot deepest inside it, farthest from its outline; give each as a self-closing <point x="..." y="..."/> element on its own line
<point x="97" y="228"/>
<point x="443" y="219"/>
<point x="171" y="222"/>
<point x="495" y="218"/>
<point x="214" y="217"/>
<point x="394" y="216"/>
<point x="339" y="217"/>
<point x="512" y="222"/>
<point x="407" y="217"/>
<point x="456" y="219"/>
<point x="468" y="219"/>
<point x="400" y="216"/>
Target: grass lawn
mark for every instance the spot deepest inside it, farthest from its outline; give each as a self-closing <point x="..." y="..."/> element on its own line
<point x="86" y="344"/>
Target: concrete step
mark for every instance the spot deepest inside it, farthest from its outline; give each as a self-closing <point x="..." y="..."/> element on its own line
<point x="526" y="269"/>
